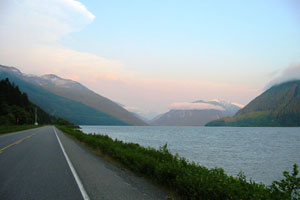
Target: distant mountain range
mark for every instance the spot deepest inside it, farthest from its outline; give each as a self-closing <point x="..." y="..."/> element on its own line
<point x="277" y="106"/>
<point x="197" y="113"/>
<point x="69" y="99"/>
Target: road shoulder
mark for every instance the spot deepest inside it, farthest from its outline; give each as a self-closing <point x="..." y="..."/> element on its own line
<point x="103" y="180"/>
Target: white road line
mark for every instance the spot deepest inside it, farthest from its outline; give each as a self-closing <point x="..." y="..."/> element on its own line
<point x="79" y="183"/>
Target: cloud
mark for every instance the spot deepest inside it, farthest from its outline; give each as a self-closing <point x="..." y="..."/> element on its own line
<point x="238" y="104"/>
<point x="63" y="60"/>
<point x="29" y="22"/>
<point x="145" y="113"/>
<point x="76" y="5"/>
<point x="193" y="106"/>
<point x="31" y="32"/>
<point x="157" y="95"/>
<point x="289" y="74"/>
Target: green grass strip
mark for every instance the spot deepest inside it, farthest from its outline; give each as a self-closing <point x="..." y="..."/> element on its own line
<point x="188" y="179"/>
<point x="9" y="129"/>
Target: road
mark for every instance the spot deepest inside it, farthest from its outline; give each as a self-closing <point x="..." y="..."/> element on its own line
<point x="44" y="163"/>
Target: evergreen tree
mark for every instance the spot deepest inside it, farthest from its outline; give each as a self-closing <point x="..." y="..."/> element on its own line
<point x="16" y="109"/>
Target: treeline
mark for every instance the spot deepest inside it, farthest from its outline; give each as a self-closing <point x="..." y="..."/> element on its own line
<point x="16" y="109"/>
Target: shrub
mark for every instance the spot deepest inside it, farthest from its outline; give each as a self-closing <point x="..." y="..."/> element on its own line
<point x="188" y="179"/>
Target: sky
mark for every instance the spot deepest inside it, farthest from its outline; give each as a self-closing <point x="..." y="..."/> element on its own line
<point x="151" y="54"/>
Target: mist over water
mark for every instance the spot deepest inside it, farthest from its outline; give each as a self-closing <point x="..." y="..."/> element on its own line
<point x="261" y="153"/>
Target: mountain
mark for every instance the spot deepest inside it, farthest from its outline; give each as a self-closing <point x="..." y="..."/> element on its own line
<point x="77" y="92"/>
<point x="198" y="113"/>
<point x="229" y="108"/>
<point x="277" y="106"/>
<point x="56" y="105"/>
<point x="17" y="109"/>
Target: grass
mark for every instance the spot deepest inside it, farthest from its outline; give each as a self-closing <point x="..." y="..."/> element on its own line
<point x="14" y="128"/>
<point x="187" y="179"/>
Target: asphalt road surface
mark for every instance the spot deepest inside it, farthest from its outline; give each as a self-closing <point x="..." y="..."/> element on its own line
<point x="44" y="163"/>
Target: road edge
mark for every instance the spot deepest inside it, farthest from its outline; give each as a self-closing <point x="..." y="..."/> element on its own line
<point x="77" y="179"/>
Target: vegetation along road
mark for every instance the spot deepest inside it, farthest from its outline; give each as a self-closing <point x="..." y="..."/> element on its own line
<point x="43" y="163"/>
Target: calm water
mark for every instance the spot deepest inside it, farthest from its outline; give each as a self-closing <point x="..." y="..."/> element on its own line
<point x="261" y="153"/>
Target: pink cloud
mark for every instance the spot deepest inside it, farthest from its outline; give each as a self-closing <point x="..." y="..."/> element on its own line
<point x="239" y="105"/>
<point x="157" y="94"/>
<point x="193" y="106"/>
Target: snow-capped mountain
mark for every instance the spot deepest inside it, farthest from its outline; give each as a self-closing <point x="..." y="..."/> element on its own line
<point x="229" y="107"/>
<point x="197" y="113"/>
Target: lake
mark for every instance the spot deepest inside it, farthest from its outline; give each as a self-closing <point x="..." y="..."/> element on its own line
<point x="261" y="153"/>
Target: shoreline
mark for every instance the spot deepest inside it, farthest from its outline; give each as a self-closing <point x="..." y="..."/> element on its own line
<point x="185" y="178"/>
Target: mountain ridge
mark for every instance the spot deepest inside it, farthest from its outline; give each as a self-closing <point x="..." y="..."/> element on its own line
<point x="197" y="116"/>
<point x="90" y="98"/>
<point x="62" y="89"/>
<point x="277" y="106"/>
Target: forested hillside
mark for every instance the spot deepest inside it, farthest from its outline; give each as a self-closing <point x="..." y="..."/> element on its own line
<point x="16" y="109"/>
<point x="69" y="99"/>
<point x="58" y="106"/>
<point x="278" y="106"/>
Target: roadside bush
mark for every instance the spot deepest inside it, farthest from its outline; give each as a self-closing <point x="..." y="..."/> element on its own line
<point x="188" y="179"/>
<point x="289" y="187"/>
<point x="9" y="128"/>
<point x="63" y="122"/>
